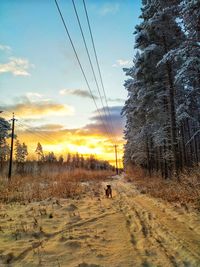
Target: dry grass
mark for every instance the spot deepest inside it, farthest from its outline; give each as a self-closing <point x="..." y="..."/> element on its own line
<point x="185" y="192"/>
<point x="60" y="185"/>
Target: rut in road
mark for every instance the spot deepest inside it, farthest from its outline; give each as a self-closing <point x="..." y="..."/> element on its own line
<point x="129" y="230"/>
<point x="161" y="235"/>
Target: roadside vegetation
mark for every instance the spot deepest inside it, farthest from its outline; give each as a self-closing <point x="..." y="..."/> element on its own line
<point x="51" y="184"/>
<point x="185" y="193"/>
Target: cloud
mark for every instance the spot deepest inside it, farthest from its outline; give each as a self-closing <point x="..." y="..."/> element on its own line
<point x="98" y="122"/>
<point x="35" y="97"/>
<point x="121" y="62"/>
<point x="116" y="99"/>
<point x="62" y="141"/>
<point x="31" y="109"/>
<point x="49" y="127"/>
<point x="16" y="66"/>
<point x="114" y="123"/>
<point x="109" y="8"/>
<point x="34" y="94"/>
<point x="86" y="94"/>
<point x="5" y="48"/>
<point x="77" y="92"/>
<point x="90" y="139"/>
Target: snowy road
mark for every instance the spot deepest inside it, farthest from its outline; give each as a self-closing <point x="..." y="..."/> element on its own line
<point x="130" y="230"/>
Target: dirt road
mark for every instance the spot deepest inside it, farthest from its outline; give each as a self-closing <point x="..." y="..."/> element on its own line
<point x="161" y="235"/>
<point x="129" y="230"/>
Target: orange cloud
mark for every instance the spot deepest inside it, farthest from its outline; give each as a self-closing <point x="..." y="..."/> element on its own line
<point x="75" y="140"/>
<point x="90" y="139"/>
<point x="32" y="109"/>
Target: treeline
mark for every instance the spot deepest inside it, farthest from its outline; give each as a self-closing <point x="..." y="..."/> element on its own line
<point x="163" y="108"/>
<point x="72" y="161"/>
<point x="44" y="160"/>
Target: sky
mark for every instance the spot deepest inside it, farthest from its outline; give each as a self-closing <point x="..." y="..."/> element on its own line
<point x="41" y="81"/>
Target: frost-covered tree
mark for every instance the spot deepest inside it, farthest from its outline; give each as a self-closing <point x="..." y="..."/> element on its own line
<point x="188" y="75"/>
<point x="4" y="134"/>
<point x="188" y="79"/>
<point x="39" y="152"/>
<point x="21" y="152"/>
<point x="4" y="152"/>
<point x="155" y="97"/>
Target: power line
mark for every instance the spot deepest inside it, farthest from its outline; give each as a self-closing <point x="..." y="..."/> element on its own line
<point x="90" y="61"/>
<point x="80" y="65"/>
<point x="97" y="61"/>
<point x="25" y="126"/>
<point x="40" y="135"/>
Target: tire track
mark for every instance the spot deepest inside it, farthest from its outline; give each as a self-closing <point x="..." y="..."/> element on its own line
<point x="156" y="233"/>
<point x="151" y="253"/>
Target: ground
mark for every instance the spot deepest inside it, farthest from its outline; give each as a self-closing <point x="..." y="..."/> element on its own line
<point x="129" y="230"/>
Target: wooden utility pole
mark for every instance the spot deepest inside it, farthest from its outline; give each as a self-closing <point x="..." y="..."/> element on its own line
<point x="11" y="147"/>
<point x="116" y="160"/>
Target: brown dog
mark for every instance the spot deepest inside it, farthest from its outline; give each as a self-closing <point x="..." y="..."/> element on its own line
<point x="108" y="191"/>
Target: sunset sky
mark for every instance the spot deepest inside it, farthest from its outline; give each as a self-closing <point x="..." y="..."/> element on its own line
<point x="40" y="79"/>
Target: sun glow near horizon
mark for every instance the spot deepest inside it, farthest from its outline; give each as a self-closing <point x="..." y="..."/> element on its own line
<point x="99" y="146"/>
<point x="53" y="99"/>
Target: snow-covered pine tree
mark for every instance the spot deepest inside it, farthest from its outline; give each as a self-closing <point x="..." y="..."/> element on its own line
<point x="39" y="152"/>
<point x="153" y="93"/>
<point x="4" y="134"/>
<point x="188" y="76"/>
<point x="21" y="152"/>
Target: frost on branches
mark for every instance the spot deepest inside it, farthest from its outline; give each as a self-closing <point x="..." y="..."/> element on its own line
<point x="4" y="147"/>
<point x="163" y="106"/>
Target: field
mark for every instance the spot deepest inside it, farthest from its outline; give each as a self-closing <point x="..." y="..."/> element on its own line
<point x="69" y="222"/>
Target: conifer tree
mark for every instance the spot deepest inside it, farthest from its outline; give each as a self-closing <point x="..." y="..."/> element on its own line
<point x="162" y="110"/>
<point x="39" y="152"/>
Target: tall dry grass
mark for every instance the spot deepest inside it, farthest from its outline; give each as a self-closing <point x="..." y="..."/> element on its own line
<point x="186" y="191"/>
<point x="47" y="185"/>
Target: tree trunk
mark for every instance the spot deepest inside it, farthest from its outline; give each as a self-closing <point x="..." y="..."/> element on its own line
<point x="173" y="128"/>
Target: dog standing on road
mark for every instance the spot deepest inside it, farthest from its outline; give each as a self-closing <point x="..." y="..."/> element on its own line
<point x="108" y="191"/>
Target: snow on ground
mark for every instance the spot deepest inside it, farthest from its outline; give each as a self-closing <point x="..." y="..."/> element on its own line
<point x="132" y="229"/>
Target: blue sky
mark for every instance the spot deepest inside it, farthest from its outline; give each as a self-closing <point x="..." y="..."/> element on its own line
<point x="37" y="63"/>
